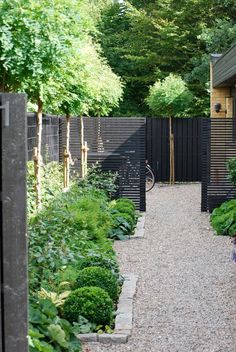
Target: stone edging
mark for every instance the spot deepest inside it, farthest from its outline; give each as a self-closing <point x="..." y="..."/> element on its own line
<point x="140" y="228"/>
<point x="124" y="316"/>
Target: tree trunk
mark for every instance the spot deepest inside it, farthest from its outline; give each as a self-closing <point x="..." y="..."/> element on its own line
<point x="67" y="154"/>
<point x="100" y="147"/>
<point x="172" y="152"/>
<point x="38" y="163"/>
<point x="82" y="171"/>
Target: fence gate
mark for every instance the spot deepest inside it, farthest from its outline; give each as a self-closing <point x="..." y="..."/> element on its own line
<point x="13" y="263"/>
<point x="188" y="144"/>
<point x="119" y="145"/>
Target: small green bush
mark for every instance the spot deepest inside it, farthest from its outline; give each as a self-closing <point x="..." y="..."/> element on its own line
<point x="126" y="209"/>
<point x="125" y="216"/>
<point x="105" y="181"/>
<point x="126" y="201"/>
<point x="100" y="260"/>
<point x="99" y="277"/>
<point x="231" y="166"/>
<point x="223" y="219"/>
<point x="93" y="303"/>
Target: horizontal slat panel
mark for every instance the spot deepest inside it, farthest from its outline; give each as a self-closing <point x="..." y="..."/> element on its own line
<point x="123" y="142"/>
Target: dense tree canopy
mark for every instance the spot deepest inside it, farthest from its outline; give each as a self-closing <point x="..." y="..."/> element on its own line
<point x="170" y="97"/>
<point x="147" y="40"/>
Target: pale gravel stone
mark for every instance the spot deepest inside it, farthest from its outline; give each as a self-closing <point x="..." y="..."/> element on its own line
<point x="187" y="284"/>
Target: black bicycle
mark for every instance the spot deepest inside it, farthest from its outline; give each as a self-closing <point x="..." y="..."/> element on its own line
<point x="150" y="178"/>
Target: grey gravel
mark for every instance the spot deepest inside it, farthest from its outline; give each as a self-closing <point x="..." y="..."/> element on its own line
<point x="186" y="297"/>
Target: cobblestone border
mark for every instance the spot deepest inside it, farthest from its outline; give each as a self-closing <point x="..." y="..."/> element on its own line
<point x="124" y="316"/>
<point x="140" y="228"/>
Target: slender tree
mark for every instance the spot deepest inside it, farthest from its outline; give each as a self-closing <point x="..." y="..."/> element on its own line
<point x="170" y="98"/>
<point x="34" y="41"/>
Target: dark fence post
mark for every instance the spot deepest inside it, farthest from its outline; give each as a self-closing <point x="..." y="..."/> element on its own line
<point x="13" y="255"/>
<point x="206" y="135"/>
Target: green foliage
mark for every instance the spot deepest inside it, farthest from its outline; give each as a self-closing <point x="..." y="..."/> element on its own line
<point x="47" y="331"/>
<point x="126" y="201"/>
<point x="231" y="166"/>
<point x="223" y="219"/>
<point x="77" y="221"/>
<point x="169" y="98"/>
<point x="99" y="277"/>
<point x="105" y="181"/>
<point x="124" y="219"/>
<point x="93" y="303"/>
<point x="52" y="184"/>
<point x="145" y="41"/>
<point x="130" y="219"/>
<point x="126" y="209"/>
<point x="99" y="260"/>
<point x="35" y="40"/>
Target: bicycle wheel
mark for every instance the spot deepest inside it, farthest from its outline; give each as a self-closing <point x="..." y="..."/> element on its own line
<point x="150" y="179"/>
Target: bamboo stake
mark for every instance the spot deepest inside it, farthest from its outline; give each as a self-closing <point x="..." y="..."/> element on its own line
<point x="38" y="158"/>
<point x="170" y="133"/>
<point x="82" y="146"/>
<point x="172" y="152"/>
<point x="67" y="154"/>
<point x="86" y="149"/>
<point x="66" y="174"/>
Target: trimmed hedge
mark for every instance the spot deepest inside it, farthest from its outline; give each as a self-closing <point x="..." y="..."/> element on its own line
<point x="99" y="277"/>
<point x="93" y="303"/>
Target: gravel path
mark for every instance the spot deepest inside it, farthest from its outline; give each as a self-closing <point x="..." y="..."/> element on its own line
<point x="186" y="299"/>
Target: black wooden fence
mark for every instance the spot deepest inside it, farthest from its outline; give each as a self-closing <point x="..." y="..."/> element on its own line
<point x="13" y="262"/>
<point x="219" y="145"/>
<point x="50" y="137"/>
<point x="188" y="144"/>
<point x="120" y="146"/>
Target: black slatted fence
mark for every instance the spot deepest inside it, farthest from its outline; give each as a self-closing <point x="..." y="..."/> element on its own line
<point x="50" y="137"/>
<point x="120" y="146"/>
<point x="219" y="145"/>
<point x="188" y="144"/>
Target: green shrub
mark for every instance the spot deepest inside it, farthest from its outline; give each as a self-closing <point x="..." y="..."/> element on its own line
<point x="47" y="331"/>
<point x="223" y="219"/>
<point x="99" y="277"/>
<point x="91" y="215"/>
<point x="99" y="260"/>
<point x="93" y="303"/>
<point x="125" y="209"/>
<point x="125" y="216"/>
<point x="105" y="181"/>
<point x="126" y="201"/>
<point x="231" y="166"/>
<point x="52" y="184"/>
<point x="66" y="230"/>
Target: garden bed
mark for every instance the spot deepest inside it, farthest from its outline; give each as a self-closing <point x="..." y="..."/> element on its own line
<point x="124" y="316"/>
<point x="74" y="276"/>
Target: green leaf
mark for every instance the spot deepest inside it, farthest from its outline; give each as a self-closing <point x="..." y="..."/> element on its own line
<point x="56" y="334"/>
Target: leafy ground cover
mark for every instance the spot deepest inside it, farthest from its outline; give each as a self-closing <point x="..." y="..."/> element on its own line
<point x="73" y="273"/>
<point x="223" y="218"/>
